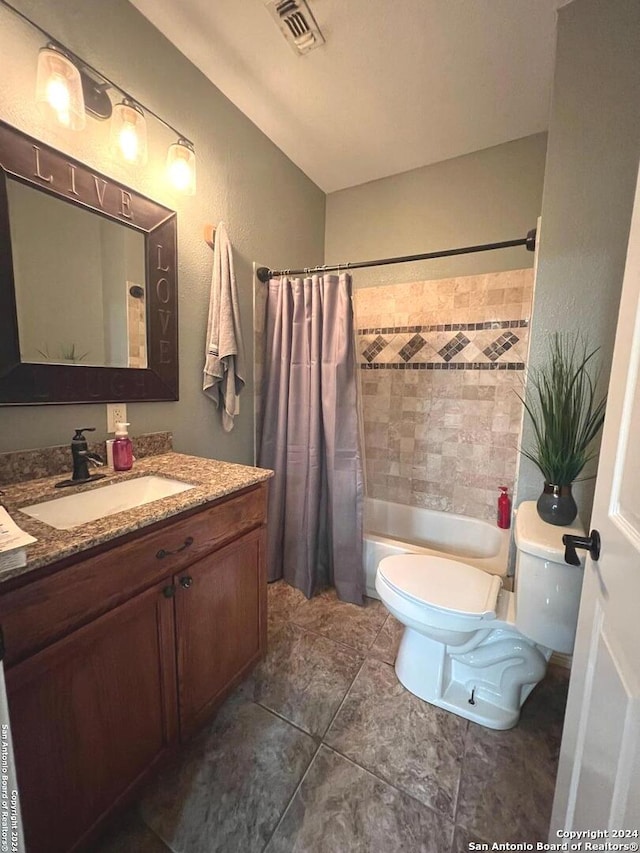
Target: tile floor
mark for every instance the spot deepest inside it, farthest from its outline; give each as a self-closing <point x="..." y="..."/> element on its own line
<point x="321" y="750"/>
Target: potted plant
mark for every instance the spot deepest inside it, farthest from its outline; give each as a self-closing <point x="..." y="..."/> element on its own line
<point x="566" y="417"/>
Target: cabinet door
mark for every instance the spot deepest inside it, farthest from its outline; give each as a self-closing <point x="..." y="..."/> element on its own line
<point x="89" y="714"/>
<point x="220" y="625"/>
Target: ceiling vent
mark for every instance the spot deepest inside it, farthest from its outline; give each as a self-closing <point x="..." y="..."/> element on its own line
<point x="297" y="24"/>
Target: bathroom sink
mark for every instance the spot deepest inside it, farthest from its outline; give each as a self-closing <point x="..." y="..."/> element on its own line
<point x="83" y="507"/>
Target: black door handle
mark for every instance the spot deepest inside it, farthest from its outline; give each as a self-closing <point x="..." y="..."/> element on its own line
<point x="590" y="543"/>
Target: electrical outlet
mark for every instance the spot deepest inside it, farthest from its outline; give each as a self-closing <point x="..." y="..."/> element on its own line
<point x="116" y="413"/>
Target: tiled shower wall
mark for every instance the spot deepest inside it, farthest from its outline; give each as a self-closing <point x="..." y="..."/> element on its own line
<point x="440" y="363"/>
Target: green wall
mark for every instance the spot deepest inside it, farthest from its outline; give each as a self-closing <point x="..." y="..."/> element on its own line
<point x="274" y="213"/>
<point x="484" y="197"/>
<point x="590" y="178"/>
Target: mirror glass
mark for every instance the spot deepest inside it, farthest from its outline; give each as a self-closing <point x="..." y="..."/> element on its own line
<point x="80" y="285"/>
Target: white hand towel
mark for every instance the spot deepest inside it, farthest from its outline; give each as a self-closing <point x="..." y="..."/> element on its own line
<point x="224" y="354"/>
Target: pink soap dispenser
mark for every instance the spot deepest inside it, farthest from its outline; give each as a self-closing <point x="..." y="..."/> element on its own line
<point x="122" y="449"/>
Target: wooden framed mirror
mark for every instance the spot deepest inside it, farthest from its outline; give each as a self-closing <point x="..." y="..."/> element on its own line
<point x="88" y="283"/>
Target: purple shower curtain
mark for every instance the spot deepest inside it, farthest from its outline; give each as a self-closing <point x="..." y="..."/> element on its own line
<point x="310" y="437"/>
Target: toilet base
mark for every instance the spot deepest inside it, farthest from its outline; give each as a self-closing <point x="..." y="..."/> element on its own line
<point x="486" y="681"/>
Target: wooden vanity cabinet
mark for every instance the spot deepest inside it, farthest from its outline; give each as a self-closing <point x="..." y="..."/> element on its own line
<point x="97" y="704"/>
<point x="217" y="626"/>
<point x="89" y="715"/>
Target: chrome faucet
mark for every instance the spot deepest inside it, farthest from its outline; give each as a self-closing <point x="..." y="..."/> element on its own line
<point x="82" y="457"/>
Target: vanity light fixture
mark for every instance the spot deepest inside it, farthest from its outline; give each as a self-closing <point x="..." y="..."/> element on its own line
<point x="59" y="88"/>
<point x="181" y="166"/>
<point x="67" y="88"/>
<point x="129" y="132"/>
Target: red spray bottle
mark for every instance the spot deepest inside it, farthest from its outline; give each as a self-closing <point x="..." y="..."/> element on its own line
<point x="504" y="508"/>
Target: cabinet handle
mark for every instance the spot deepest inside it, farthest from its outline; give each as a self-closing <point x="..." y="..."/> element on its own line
<point x="169" y="591"/>
<point x="162" y="553"/>
<point x="186" y="582"/>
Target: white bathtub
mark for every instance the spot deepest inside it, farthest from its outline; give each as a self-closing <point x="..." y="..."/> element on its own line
<point x="397" y="529"/>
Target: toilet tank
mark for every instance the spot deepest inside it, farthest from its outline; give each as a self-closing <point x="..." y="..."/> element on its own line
<point x="547" y="590"/>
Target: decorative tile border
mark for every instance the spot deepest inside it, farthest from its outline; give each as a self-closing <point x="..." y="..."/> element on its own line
<point x="375" y="347"/>
<point x="411" y="348"/>
<point x="447" y="327"/>
<point x="457" y="346"/>
<point x="438" y="365"/>
<point x="454" y="346"/>
<point x="500" y="346"/>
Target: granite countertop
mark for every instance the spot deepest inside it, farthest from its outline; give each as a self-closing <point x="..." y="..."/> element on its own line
<point x="211" y="478"/>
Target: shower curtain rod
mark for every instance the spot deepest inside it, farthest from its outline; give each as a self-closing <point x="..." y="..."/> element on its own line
<point x="264" y="273"/>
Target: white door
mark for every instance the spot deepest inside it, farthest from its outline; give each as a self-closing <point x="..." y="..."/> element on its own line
<point x="598" y="784"/>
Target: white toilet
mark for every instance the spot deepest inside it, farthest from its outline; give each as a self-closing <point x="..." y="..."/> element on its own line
<point x="472" y="647"/>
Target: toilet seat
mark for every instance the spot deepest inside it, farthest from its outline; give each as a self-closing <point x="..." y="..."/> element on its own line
<point x="447" y="586"/>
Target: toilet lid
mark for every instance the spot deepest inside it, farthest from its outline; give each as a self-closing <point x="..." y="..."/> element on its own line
<point x="442" y="583"/>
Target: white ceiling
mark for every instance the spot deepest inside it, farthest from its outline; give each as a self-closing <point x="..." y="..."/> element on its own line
<point x="398" y="84"/>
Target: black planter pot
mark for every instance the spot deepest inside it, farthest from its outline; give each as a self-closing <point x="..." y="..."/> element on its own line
<point x="556" y="505"/>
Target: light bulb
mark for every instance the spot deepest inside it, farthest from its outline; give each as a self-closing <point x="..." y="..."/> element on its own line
<point x="180" y="174"/>
<point x="59" y="88"/>
<point x="181" y="166"/>
<point x="129" y="142"/>
<point x="129" y="133"/>
<point x="59" y="98"/>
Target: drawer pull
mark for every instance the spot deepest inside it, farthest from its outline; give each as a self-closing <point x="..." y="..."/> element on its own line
<point x="186" y="582"/>
<point x="169" y="591"/>
<point x="162" y="553"/>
